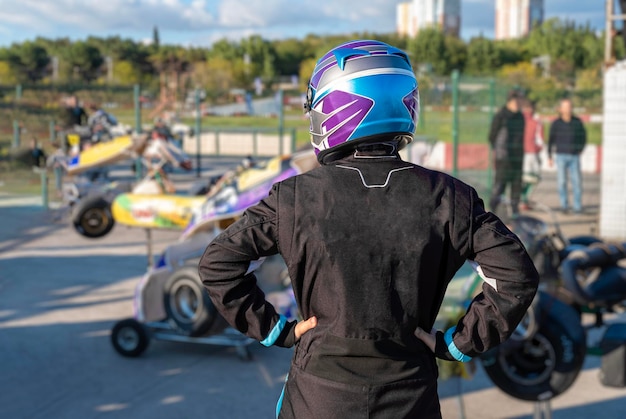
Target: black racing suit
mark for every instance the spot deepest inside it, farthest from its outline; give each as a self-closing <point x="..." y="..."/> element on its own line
<point x="371" y="245"/>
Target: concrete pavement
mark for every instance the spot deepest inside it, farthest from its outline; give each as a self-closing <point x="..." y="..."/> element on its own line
<point x="60" y="294"/>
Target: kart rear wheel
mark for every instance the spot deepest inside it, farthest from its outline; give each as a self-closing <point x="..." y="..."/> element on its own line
<point x="129" y="338"/>
<point x="187" y="304"/>
<point x="546" y="364"/>
<point x="92" y="217"/>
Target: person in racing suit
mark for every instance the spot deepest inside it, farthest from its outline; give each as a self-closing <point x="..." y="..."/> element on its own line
<point x="371" y="243"/>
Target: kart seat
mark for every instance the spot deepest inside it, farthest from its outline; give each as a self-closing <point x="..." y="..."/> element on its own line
<point x="595" y="275"/>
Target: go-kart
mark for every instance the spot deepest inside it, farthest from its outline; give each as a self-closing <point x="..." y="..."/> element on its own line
<point x="90" y="201"/>
<point x="170" y="301"/>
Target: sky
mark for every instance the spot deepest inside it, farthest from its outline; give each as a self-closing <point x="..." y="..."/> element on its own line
<point x="202" y="22"/>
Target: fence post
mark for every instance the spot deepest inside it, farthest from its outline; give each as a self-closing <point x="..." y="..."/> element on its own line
<point x="281" y="119"/>
<point x="217" y="142"/>
<point x="18" y="92"/>
<point x="16" y="133"/>
<point x="293" y="140"/>
<point x="136" y="94"/>
<point x="51" y="131"/>
<point x="455" y="122"/>
<point x="492" y="107"/>
<point x="136" y="91"/>
<point x="58" y="178"/>
<point x="198" y="131"/>
<point x="255" y="145"/>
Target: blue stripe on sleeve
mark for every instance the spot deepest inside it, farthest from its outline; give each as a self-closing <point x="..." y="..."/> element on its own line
<point x="275" y="333"/>
<point x="454" y="351"/>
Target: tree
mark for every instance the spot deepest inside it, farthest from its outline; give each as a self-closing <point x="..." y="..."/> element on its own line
<point x="126" y="72"/>
<point x="429" y="48"/>
<point x="7" y="75"/>
<point x="155" y="38"/>
<point x="564" y="40"/>
<point x="522" y="74"/>
<point x="456" y="54"/>
<point x="28" y="61"/>
<point x="289" y="54"/>
<point x="482" y="57"/>
<point x="306" y="70"/>
<point x="215" y="75"/>
<point x="85" y="61"/>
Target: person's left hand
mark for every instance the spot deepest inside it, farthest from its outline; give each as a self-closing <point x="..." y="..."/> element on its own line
<point x="304" y="326"/>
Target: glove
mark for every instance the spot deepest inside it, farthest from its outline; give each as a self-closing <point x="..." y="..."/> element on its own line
<point x="442" y="344"/>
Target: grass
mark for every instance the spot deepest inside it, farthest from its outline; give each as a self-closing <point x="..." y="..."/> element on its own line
<point x="436" y="125"/>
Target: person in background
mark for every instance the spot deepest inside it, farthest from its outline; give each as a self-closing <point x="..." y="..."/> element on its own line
<point x="74" y="113"/>
<point x="533" y="144"/>
<point x="506" y="137"/>
<point x="100" y="122"/>
<point x="73" y="125"/>
<point x="567" y="140"/>
<point x="38" y="157"/>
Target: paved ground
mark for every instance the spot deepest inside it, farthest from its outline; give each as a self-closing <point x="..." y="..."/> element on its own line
<point x="60" y="294"/>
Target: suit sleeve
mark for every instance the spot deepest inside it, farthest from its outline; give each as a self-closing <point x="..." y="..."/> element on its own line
<point x="496" y="122"/>
<point x="510" y="282"/>
<point x="227" y="271"/>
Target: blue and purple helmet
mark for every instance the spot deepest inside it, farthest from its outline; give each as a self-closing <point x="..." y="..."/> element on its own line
<point x="362" y="91"/>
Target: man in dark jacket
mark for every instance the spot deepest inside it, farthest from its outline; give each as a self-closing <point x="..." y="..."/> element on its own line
<point x="506" y="137"/>
<point x="371" y="243"/>
<point x="567" y="140"/>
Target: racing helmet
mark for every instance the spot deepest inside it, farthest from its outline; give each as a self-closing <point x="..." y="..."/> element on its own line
<point x="363" y="91"/>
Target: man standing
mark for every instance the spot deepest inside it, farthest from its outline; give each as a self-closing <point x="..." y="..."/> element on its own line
<point x="507" y="141"/>
<point x="567" y="139"/>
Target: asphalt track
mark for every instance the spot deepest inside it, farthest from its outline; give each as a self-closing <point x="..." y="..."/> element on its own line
<point x="60" y="294"/>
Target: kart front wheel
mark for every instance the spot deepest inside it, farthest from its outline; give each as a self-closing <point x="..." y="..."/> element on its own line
<point x="129" y="338"/>
<point x="92" y="217"/>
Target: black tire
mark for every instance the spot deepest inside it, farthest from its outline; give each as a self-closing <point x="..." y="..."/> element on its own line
<point x="92" y="217"/>
<point x="129" y="338"/>
<point x="187" y="304"/>
<point x="545" y="365"/>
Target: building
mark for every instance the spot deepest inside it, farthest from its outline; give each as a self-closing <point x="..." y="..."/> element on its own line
<point x="515" y="18"/>
<point x="415" y="15"/>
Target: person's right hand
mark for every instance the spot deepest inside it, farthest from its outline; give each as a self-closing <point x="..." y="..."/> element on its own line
<point x="304" y="326"/>
<point x="430" y="339"/>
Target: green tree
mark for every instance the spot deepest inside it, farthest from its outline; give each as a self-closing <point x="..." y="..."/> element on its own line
<point x="84" y="60"/>
<point x="156" y="42"/>
<point x="482" y="57"/>
<point x="564" y="40"/>
<point x="215" y="75"/>
<point x="429" y="48"/>
<point x="456" y="54"/>
<point x="306" y="70"/>
<point x="126" y="72"/>
<point x="29" y="61"/>
<point x="289" y="54"/>
<point x="7" y="75"/>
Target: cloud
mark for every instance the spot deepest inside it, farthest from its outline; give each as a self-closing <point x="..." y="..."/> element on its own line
<point x="200" y="22"/>
<point x="34" y="15"/>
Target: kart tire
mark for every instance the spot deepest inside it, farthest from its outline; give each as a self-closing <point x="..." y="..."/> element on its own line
<point x="187" y="304"/>
<point x="129" y="338"/>
<point x="92" y="217"/>
<point x="546" y="364"/>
